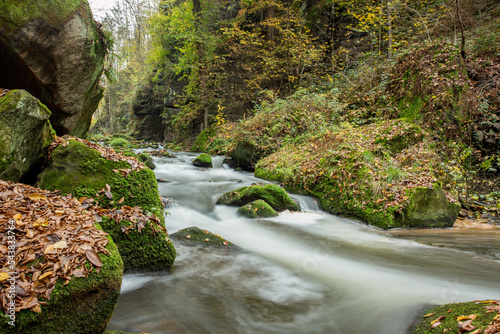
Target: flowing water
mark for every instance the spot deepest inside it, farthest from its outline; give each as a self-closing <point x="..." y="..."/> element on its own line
<point x="301" y="272"/>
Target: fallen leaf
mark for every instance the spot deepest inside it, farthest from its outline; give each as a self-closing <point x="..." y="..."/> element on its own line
<point x="44" y="275"/>
<point x="428" y="315"/>
<point x="60" y="245"/>
<point x="435" y="324"/>
<point x="93" y="257"/>
<point x="4" y="277"/>
<point x="36" y="197"/>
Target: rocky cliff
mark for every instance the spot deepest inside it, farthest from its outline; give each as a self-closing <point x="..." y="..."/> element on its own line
<point x="55" y="51"/>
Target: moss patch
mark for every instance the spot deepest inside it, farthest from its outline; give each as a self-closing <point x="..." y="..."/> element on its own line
<point x="149" y="250"/>
<point x="85" y="305"/>
<point x="198" y="237"/>
<point x="203" y="160"/>
<point x="276" y="197"/>
<point x="82" y="171"/>
<point x="362" y="171"/>
<point x="256" y="209"/>
<point x="451" y="312"/>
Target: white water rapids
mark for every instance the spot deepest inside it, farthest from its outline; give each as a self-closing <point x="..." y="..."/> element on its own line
<point x="301" y="272"/>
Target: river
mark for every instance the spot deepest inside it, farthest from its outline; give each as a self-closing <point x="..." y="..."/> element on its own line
<point x="301" y="272"/>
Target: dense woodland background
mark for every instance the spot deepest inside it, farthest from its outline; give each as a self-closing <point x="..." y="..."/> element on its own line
<point x="181" y="67"/>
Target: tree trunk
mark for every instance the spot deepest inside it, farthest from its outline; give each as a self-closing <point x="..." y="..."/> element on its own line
<point x="459" y="17"/>
<point x="389" y="29"/>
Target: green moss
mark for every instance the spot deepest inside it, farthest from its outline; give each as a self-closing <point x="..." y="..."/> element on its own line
<point x="198" y="237"/>
<point x="201" y="143"/>
<point x="149" y="250"/>
<point x="451" y="312"/>
<point x="4" y="164"/>
<point x="85" y="305"/>
<point x="144" y="157"/>
<point x="203" y="160"/>
<point x="429" y="207"/>
<point x="16" y="14"/>
<point x="276" y="197"/>
<point x="120" y="142"/>
<point x="81" y="171"/>
<point x="257" y="209"/>
<point x="148" y="161"/>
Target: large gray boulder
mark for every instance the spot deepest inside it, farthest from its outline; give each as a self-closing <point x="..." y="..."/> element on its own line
<point x="25" y="134"/>
<point x="54" y="50"/>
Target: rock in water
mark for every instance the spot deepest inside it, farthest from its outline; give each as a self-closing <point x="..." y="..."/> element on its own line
<point x="54" y="50"/>
<point x="276" y="197"/>
<point x="197" y="237"/>
<point x="203" y="160"/>
<point x="25" y="134"/>
<point x="257" y="209"/>
<point x="429" y="207"/>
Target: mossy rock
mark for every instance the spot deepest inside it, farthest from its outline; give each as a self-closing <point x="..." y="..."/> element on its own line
<point x="148" y="250"/>
<point x="451" y="312"/>
<point x="429" y="207"/>
<point x="201" y="143"/>
<point x="276" y="197"/>
<point x="83" y="306"/>
<point x="148" y="161"/>
<point x="246" y="154"/>
<point x="34" y="36"/>
<point x="203" y="160"/>
<point x="82" y="171"/>
<point x="120" y="142"/>
<point x="198" y="237"/>
<point x="256" y="209"/>
<point x="25" y="134"/>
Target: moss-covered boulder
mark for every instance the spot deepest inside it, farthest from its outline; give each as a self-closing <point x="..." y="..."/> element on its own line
<point x="429" y="207"/>
<point x="276" y="197"/>
<point x="203" y="160"/>
<point x="25" y="134"/>
<point x="147" y="249"/>
<point x="201" y="143"/>
<point x="476" y="316"/>
<point x="148" y="161"/>
<point x="75" y="168"/>
<point x="55" y="50"/>
<point x="197" y="237"/>
<point x="246" y="154"/>
<point x="256" y="209"/>
<point x="84" y="305"/>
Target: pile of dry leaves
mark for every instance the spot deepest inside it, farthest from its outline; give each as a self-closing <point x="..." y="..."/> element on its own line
<point x="54" y="236"/>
